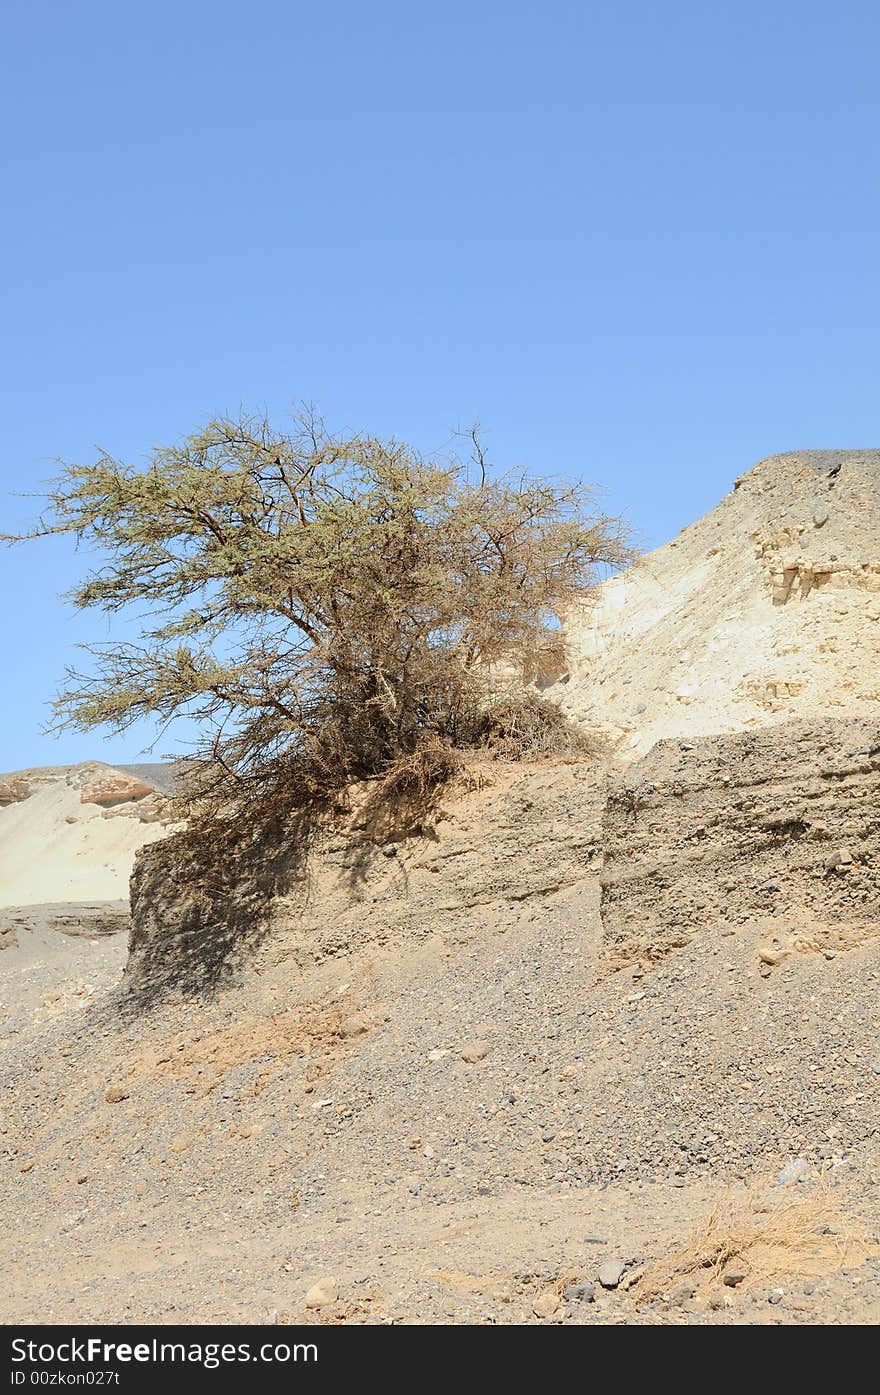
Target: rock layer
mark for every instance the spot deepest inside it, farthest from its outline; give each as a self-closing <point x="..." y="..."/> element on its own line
<point x="781" y="825"/>
<point x="484" y="857"/>
<point x="114" y="789"/>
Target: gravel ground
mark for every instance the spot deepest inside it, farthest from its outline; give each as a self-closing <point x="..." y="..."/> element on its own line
<point x="448" y="1131"/>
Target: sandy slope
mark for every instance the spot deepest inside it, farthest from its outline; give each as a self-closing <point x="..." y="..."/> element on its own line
<point x="767" y="608"/>
<point x="54" y="848"/>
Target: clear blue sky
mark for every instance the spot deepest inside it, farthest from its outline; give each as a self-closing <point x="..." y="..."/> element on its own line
<point x="638" y="241"/>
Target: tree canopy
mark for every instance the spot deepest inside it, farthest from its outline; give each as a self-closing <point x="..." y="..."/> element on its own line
<point x="323" y="606"/>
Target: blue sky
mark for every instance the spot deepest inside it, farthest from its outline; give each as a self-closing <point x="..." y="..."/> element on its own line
<point x="639" y="242"/>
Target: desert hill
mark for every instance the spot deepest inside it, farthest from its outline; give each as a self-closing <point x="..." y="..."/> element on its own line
<point x="766" y="609"/>
<point x="70" y="833"/>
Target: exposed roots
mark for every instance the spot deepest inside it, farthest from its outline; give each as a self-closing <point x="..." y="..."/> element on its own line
<point x="526" y="727"/>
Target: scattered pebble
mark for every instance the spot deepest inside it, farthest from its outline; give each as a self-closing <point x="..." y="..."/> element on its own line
<point x="794" y="1171"/>
<point x="546" y="1304"/>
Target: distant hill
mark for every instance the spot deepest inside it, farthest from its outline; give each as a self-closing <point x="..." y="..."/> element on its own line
<point x="62" y="839"/>
<point x="162" y="774"/>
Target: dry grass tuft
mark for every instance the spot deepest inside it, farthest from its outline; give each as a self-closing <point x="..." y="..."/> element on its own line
<point x="765" y="1239"/>
<point x="417" y="775"/>
<point x="525" y="727"/>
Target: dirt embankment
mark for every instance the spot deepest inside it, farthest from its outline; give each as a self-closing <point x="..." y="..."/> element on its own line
<point x="504" y="838"/>
<point x="779" y="827"/>
<point x="447" y="1108"/>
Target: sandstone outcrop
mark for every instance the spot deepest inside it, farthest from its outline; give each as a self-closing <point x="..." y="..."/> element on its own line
<point x="13" y="791"/>
<point x="780" y="826"/>
<point x="115" y="788"/>
<point x="519" y="837"/>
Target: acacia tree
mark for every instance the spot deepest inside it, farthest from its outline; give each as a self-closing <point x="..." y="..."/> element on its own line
<point x="325" y="607"/>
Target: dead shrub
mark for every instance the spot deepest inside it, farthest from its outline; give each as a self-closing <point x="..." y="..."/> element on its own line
<point x="767" y="1239"/>
<point x="418" y="774"/>
<point x="526" y="727"/>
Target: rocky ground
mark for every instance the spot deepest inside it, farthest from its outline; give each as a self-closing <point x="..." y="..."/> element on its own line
<point x="470" y="1126"/>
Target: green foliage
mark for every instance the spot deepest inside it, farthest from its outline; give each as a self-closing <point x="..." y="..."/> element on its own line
<point x="324" y="607"/>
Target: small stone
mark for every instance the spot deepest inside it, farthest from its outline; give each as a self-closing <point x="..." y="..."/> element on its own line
<point x="770" y="885"/>
<point x="353" y="1027"/>
<point x="611" y="1272"/>
<point x="548" y="1135"/>
<point x="473" y="1051"/>
<point x="546" y="1304"/>
<point x="322" y="1294"/>
<point x="682" y="1294"/>
<point x="439" y="1054"/>
<point x="581" y="1292"/>
<point x="116" y="1094"/>
<point x="732" y="1278"/>
<point x="820" y="518"/>
<point x="631" y="1277"/>
<point x="838" y="860"/>
<point x="794" y="1171"/>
